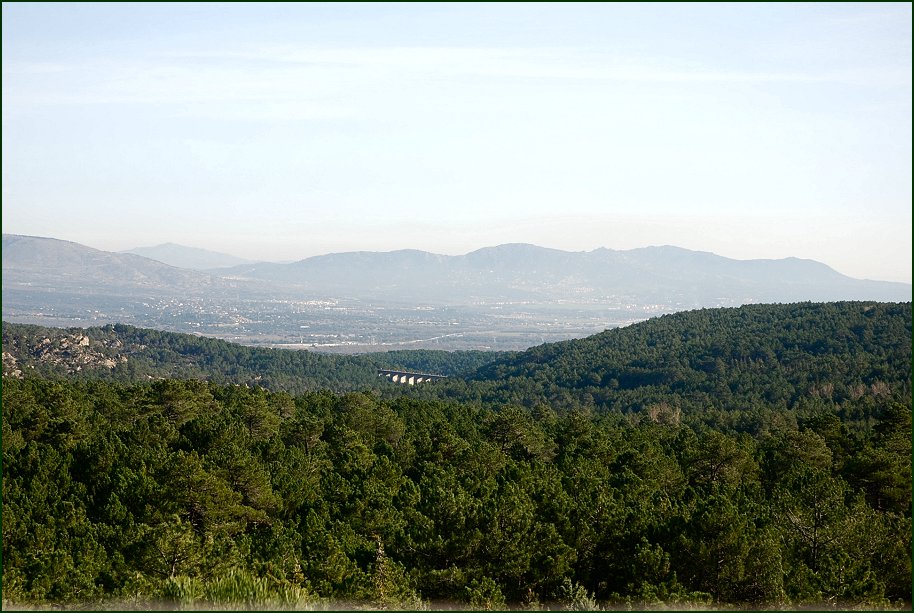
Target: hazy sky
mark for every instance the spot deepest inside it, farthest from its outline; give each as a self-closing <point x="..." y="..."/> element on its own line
<point x="284" y="131"/>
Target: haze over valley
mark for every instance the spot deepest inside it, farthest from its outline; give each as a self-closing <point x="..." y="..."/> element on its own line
<point x="507" y="297"/>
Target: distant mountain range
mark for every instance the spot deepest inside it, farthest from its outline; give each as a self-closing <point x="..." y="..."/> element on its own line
<point x="520" y="272"/>
<point x="193" y="258"/>
<point x="671" y="276"/>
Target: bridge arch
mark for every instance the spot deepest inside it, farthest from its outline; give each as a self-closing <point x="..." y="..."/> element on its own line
<point x="409" y="378"/>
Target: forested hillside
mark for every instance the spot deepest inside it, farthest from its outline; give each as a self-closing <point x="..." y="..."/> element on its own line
<point x="737" y="368"/>
<point x="756" y="456"/>
<point x="182" y="490"/>
<point x="128" y="354"/>
<point x="734" y="361"/>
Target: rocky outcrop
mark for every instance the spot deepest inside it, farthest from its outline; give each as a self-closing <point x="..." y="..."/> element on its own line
<point x="67" y="353"/>
<point x="10" y="366"/>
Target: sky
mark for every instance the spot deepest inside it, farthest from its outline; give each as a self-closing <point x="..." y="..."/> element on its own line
<point x="282" y="131"/>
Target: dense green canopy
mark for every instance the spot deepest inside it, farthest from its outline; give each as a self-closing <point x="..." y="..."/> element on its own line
<point x="757" y="455"/>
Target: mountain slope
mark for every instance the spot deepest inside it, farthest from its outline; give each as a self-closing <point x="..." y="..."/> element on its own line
<point x="193" y="258"/>
<point x="46" y="262"/>
<point x="32" y="263"/>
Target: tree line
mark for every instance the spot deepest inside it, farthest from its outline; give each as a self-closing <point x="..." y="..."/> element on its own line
<point x="758" y="455"/>
<point x="184" y="491"/>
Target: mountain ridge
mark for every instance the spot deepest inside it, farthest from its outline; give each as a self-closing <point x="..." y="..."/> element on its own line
<point x="513" y="249"/>
<point x="507" y="296"/>
<point x="659" y="261"/>
<point x="509" y="271"/>
<point x="183" y="256"/>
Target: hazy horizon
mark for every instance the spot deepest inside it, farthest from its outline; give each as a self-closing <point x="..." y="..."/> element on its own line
<point x="140" y="249"/>
<point x="279" y="132"/>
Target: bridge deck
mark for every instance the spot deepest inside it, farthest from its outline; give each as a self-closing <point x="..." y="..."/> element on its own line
<point x="410" y="378"/>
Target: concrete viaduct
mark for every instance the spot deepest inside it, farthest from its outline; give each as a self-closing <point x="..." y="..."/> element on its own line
<point x="408" y="378"/>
